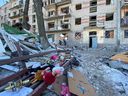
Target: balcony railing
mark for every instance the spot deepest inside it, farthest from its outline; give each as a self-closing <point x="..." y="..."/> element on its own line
<point x="92" y="23"/>
<point x="16" y="16"/>
<point x="124" y="3"/>
<point x="62" y="27"/>
<point x="53" y="17"/>
<point x="93" y="9"/>
<point x="124" y="21"/>
<point x="63" y="2"/>
<point x="18" y="4"/>
<point x="57" y="3"/>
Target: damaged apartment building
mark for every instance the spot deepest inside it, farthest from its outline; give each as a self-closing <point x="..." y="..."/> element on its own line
<point x="88" y="23"/>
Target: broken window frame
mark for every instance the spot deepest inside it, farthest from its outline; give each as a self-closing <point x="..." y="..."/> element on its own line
<point x="78" y="6"/>
<point x="51" y="25"/>
<point x="109" y="16"/>
<point x="34" y="28"/>
<point x="65" y="10"/>
<point x="108" y="2"/>
<point x="93" y="3"/>
<point x="109" y="34"/>
<point x="77" y="21"/>
<point x="51" y="13"/>
<point x="125" y="33"/>
<point x="33" y="18"/>
<point x="14" y="13"/>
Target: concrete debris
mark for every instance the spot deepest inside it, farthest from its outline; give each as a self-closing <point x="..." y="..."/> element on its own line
<point x="49" y="93"/>
<point x="95" y="64"/>
<point x="24" y="91"/>
<point x="118" y="65"/>
<point x="33" y="64"/>
<point x="107" y="81"/>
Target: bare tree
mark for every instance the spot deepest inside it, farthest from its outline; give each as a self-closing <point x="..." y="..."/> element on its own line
<point x="25" y="16"/>
<point x="38" y="4"/>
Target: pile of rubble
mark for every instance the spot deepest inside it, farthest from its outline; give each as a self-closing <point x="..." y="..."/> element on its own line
<point x="106" y="80"/>
<point x="26" y="59"/>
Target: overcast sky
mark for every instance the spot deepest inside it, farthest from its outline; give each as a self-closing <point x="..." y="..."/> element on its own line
<point x="2" y="2"/>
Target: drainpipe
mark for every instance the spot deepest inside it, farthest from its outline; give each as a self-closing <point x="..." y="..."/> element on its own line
<point x="118" y="17"/>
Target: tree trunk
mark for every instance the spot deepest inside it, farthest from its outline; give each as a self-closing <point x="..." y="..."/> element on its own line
<point x="40" y="22"/>
<point x="25" y="16"/>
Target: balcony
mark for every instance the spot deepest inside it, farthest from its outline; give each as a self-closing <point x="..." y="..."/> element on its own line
<point x="93" y="9"/>
<point x="53" y="17"/>
<point x="50" y="6"/>
<point x="124" y="3"/>
<point x="63" y="2"/>
<point x="59" y="28"/>
<point x="17" y="5"/>
<point x="124" y="22"/>
<point x="57" y="3"/>
<point x="92" y="24"/>
<point x="16" y="16"/>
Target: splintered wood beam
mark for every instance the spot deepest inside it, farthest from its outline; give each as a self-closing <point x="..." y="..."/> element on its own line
<point x="13" y="77"/>
<point x="38" y="90"/>
<point x="68" y="62"/>
<point x="25" y="57"/>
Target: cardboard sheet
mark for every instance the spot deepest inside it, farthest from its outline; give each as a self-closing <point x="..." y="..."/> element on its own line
<point x="57" y="84"/>
<point x="79" y="86"/>
<point x="121" y="57"/>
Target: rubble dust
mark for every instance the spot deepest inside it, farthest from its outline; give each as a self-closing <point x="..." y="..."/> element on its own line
<point x="107" y="81"/>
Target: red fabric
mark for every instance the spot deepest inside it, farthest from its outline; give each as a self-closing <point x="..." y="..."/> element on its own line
<point x="49" y="78"/>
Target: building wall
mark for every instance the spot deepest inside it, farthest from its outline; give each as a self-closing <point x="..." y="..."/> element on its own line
<point x="83" y="28"/>
<point x="4" y="11"/>
<point x="122" y="37"/>
<point x="84" y="13"/>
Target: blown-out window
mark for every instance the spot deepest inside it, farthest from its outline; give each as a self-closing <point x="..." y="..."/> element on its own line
<point x="109" y="34"/>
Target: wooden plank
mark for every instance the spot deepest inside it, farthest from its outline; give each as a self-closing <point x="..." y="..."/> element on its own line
<point x="13" y="77"/>
<point x="19" y="51"/>
<point x="1" y="47"/>
<point x="123" y="57"/>
<point x="9" y="41"/>
<point x="38" y="91"/>
<point x="20" y="58"/>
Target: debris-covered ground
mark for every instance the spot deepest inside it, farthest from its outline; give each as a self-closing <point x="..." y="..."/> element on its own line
<point x="107" y="81"/>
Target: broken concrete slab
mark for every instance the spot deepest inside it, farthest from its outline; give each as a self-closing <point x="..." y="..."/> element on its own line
<point x="33" y="64"/>
<point x="117" y="79"/>
<point x="24" y="91"/>
<point x="118" y="65"/>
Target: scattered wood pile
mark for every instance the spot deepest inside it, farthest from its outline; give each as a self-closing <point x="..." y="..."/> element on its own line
<point x="20" y="49"/>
